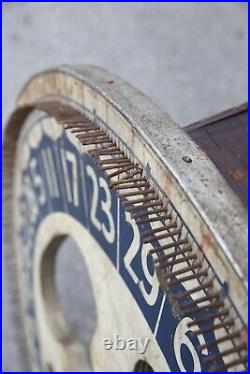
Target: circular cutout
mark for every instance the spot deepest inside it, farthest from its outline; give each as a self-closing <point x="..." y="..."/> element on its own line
<point x="67" y="291"/>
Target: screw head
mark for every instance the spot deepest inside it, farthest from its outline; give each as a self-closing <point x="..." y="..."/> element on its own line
<point x="187" y="159"/>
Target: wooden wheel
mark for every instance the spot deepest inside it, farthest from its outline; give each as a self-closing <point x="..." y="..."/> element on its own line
<point x="89" y="157"/>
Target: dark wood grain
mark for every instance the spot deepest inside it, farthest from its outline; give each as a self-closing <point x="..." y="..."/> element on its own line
<point x="224" y="139"/>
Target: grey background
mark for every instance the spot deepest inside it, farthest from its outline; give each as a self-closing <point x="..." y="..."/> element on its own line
<point x="190" y="58"/>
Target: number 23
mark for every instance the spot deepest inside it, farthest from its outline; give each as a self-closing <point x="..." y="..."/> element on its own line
<point x="108" y="232"/>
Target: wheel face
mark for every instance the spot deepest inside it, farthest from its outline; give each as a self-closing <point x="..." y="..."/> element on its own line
<point x="44" y="216"/>
<point x="138" y="254"/>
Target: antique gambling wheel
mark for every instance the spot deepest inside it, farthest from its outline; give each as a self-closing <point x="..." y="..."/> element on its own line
<point x="163" y="237"/>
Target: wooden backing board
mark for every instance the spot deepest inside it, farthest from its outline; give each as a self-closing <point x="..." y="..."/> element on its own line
<point x="224" y="139"/>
